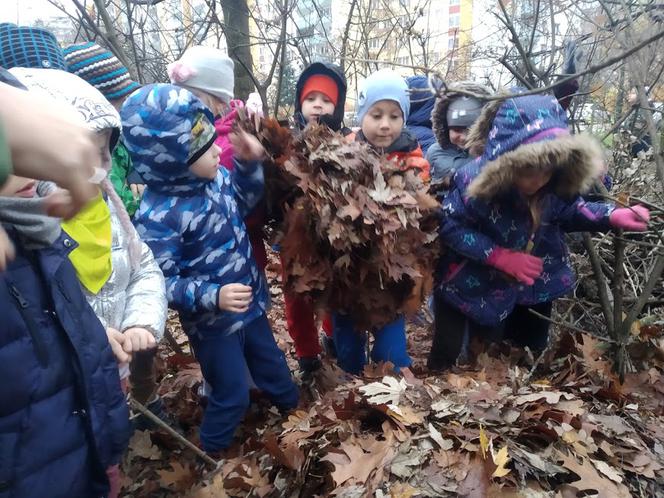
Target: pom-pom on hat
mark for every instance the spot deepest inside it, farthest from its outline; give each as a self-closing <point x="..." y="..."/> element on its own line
<point x="207" y="69"/>
<point x="24" y="46"/>
<point x="383" y="85"/>
<point x="99" y="67"/>
<point x="323" y="84"/>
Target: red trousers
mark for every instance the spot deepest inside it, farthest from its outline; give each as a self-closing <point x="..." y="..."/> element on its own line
<point x="301" y="321"/>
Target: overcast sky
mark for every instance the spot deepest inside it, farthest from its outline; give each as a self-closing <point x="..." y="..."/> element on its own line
<point x="27" y="11"/>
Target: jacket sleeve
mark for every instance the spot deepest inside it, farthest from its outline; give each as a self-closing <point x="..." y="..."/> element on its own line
<point x="444" y="162"/>
<point x="582" y="216"/>
<point x="457" y="228"/>
<point x="146" y="304"/>
<point x="166" y="238"/>
<point x="248" y="184"/>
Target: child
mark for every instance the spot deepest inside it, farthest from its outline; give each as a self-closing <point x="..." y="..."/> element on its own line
<point x="120" y="278"/>
<point x="383" y="110"/>
<point x="320" y="97"/>
<point x="451" y="117"/>
<point x="422" y="101"/>
<point x="103" y="70"/>
<point x="191" y="216"/>
<point x="63" y="414"/>
<point x="504" y="223"/>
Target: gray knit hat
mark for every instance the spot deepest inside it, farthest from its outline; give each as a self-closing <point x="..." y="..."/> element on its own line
<point x="204" y="68"/>
<point x="463" y="111"/>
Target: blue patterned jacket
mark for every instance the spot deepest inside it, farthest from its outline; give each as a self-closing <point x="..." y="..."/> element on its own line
<point x="194" y="226"/>
<point x="484" y="210"/>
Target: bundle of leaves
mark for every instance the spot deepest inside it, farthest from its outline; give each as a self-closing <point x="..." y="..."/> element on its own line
<point x="359" y="231"/>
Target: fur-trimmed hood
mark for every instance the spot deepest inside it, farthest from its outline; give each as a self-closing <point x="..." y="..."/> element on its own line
<point x="439" y="113"/>
<point x="529" y="134"/>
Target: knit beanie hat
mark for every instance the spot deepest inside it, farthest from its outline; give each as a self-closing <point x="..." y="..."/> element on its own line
<point x="203" y="136"/>
<point x="99" y="67"/>
<point x="204" y="68"/>
<point x="323" y="84"/>
<point x="23" y="46"/>
<point x="463" y="111"/>
<point x="383" y="85"/>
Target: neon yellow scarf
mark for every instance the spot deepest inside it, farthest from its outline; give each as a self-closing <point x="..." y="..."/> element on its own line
<point x="91" y="229"/>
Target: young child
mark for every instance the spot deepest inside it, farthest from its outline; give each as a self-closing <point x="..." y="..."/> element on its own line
<point x="383" y="110"/>
<point x="103" y="70"/>
<point x="320" y="97"/>
<point x="422" y="101"/>
<point x="63" y="414"/>
<point x="120" y="278"/>
<point x="504" y="222"/>
<point x="191" y="216"/>
<point x="452" y="116"/>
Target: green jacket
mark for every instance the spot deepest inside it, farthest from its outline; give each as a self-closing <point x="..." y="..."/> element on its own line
<point x="121" y="166"/>
<point x="5" y="157"/>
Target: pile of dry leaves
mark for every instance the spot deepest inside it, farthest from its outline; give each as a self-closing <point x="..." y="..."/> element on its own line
<point x="358" y="232"/>
<point x="502" y="428"/>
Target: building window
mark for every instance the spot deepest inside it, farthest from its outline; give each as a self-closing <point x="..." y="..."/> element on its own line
<point x="402" y="60"/>
<point x="454" y="21"/>
<point x="454" y="2"/>
<point x="452" y="43"/>
<point x="374" y="42"/>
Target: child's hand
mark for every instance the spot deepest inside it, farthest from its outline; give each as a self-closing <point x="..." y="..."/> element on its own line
<point x="235" y="298"/>
<point x="523" y="267"/>
<point x="7" y="251"/>
<point x="138" y="339"/>
<point x="246" y="147"/>
<point x="634" y="219"/>
<point x="116" y="339"/>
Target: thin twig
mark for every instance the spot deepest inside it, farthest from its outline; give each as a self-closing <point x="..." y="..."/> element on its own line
<point x="570" y="326"/>
<point x="199" y="453"/>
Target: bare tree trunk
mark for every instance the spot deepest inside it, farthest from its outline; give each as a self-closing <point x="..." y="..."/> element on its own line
<point x="236" y="29"/>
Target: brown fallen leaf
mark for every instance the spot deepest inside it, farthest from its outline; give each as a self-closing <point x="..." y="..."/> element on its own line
<point x="591" y="480"/>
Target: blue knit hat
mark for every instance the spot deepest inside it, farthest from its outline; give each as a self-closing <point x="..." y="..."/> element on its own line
<point x="99" y="67"/>
<point x="383" y="85"/>
<point x="23" y="46"/>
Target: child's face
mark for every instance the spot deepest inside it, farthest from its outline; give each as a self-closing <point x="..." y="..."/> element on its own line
<point x="315" y="105"/>
<point x="458" y="136"/>
<point x="207" y="165"/>
<point x="382" y="124"/>
<point x="530" y="182"/>
<point x="18" y="186"/>
<point x="103" y="142"/>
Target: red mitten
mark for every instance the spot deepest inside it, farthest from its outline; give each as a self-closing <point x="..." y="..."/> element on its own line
<point x="634" y="219"/>
<point x="523" y="267"/>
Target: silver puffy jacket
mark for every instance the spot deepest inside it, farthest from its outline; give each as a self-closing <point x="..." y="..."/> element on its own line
<point x="131" y="298"/>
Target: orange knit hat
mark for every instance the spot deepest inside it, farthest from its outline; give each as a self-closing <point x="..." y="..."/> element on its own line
<point x="323" y="84"/>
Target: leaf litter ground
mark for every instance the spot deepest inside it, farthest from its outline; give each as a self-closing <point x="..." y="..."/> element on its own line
<point x="496" y="428"/>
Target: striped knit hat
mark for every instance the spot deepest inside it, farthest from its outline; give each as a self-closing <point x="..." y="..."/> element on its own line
<point x="23" y="46"/>
<point x="101" y="69"/>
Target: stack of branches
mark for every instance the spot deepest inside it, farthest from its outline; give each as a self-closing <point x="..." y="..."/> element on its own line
<point x="358" y="233"/>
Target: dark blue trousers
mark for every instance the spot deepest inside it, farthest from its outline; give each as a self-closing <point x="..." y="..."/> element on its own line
<point x="389" y="344"/>
<point x="225" y="359"/>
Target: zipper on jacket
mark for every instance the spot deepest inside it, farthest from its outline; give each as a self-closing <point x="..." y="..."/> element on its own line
<point x="33" y="328"/>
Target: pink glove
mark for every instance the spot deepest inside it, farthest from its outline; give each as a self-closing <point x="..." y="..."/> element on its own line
<point x="634" y="219"/>
<point x="523" y="267"/>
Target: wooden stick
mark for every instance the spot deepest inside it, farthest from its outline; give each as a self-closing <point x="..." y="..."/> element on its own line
<point x="185" y="442"/>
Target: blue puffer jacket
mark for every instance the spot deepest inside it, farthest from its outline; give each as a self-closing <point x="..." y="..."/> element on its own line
<point x="484" y="210"/>
<point x="421" y="105"/>
<point x="63" y="417"/>
<point x="194" y="226"/>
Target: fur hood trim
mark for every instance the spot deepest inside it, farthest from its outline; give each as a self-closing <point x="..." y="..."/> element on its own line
<point x="439" y="113"/>
<point x="576" y="161"/>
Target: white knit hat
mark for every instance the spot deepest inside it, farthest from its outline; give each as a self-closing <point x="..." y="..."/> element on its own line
<point x="204" y="68"/>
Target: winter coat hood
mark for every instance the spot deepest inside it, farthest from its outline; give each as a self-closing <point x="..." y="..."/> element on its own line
<point x="439" y="113"/>
<point x="422" y="101"/>
<point x="157" y="124"/>
<point x="530" y="134"/>
<point x="91" y="105"/>
<point x="334" y="72"/>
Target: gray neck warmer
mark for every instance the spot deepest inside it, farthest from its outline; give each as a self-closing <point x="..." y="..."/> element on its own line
<point x="27" y="217"/>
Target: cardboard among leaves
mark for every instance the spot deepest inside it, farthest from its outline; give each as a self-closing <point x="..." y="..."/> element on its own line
<point x="358" y="233"/>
